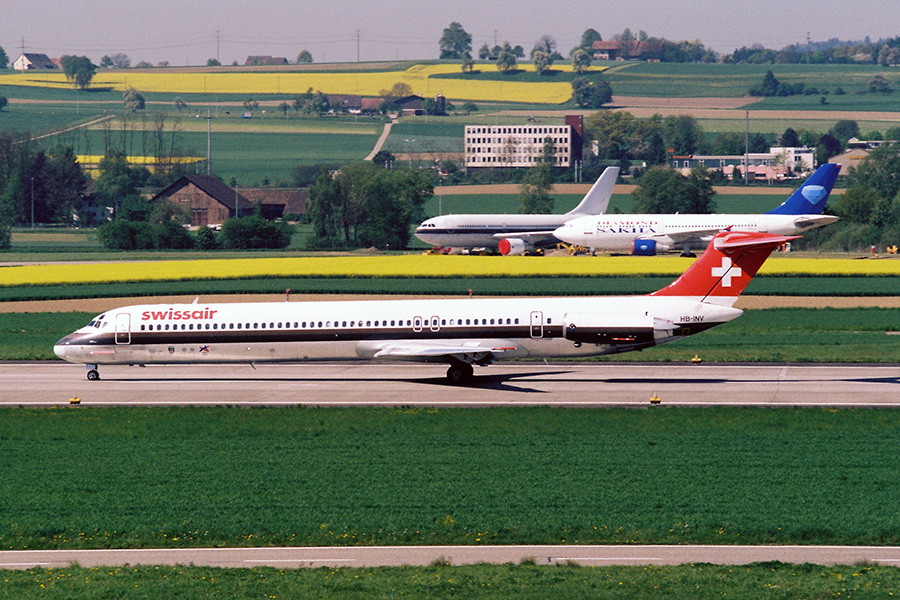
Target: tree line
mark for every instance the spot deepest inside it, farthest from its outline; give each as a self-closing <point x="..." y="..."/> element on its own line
<point x="622" y="137"/>
<point x="456" y="43"/>
<point x="362" y="206"/>
<point x="869" y="208"/>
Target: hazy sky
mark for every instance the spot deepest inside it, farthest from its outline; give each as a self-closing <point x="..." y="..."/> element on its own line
<point x="184" y="32"/>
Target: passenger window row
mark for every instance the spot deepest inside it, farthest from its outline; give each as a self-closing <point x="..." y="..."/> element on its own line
<point x="429" y="323"/>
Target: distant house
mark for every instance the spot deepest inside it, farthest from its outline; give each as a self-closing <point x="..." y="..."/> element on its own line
<point x="34" y="62"/>
<point x="345" y="103"/>
<point x="626" y="50"/>
<point x="370" y="104"/>
<point x="265" y="61"/>
<point x="209" y="200"/>
<point x="277" y="202"/>
<point x="411" y="105"/>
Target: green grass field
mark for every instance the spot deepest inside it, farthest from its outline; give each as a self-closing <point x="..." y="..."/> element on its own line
<point x="182" y="477"/>
<point x="497" y="582"/>
<point x="771" y="335"/>
<point x="720" y="80"/>
<point x="241" y="150"/>
<point x="246" y="154"/>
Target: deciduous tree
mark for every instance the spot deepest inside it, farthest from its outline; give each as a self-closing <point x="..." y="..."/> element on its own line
<point x="468" y="64"/>
<point x="455" y="42"/>
<point x="590" y="94"/>
<point x="535" y="195"/>
<point x="506" y="59"/>
<point x="363" y="205"/>
<point x="541" y="61"/>
<point x="79" y="70"/>
<point x="581" y="60"/>
<point x="664" y="190"/>
<point x="880" y="171"/>
<point x="134" y="100"/>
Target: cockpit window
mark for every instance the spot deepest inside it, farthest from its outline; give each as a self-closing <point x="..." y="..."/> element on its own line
<point x="97" y="321"/>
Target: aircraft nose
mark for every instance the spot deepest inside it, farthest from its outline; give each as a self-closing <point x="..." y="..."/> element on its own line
<point x="61" y="348"/>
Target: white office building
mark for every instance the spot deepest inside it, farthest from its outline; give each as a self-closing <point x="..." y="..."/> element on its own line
<point x="516" y="145"/>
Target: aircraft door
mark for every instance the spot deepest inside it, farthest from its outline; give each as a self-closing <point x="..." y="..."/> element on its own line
<point x="537" y="324"/>
<point x="435" y="324"/>
<point x="417" y="324"/>
<point x="123" y="328"/>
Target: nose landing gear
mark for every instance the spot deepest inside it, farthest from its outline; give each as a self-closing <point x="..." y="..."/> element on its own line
<point x="92" y="373"/>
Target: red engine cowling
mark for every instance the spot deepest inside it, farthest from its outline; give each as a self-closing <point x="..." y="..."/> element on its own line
<point x="514" y="247"/>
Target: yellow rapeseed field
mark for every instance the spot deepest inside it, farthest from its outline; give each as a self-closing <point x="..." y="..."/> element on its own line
<point x="93" y="159"/>
<point x="410" y="266"/>
<point x="419" y="78"/>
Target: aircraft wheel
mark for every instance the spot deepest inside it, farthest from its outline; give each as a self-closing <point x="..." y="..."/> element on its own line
<point x="459" y="372"/>
<point x="93" y="375"/>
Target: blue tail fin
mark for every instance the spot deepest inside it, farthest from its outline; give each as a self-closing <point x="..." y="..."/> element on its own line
<point x="810" y="198"/>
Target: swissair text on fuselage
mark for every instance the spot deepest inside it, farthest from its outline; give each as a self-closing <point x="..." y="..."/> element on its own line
<point x="176" y="315"/>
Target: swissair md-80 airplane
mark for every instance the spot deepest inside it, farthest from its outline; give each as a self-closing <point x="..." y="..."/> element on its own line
<point x="513" y="234"/>
<point x="645" y="234"/>
<point x="461" y="332"/>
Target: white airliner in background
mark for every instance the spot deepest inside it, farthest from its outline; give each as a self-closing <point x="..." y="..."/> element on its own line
<point x="513" y="234"/>
<point x="645" y="234"/>
<point x="461" y="332"/>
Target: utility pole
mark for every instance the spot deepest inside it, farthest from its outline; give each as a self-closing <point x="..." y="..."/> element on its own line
<point x="208" y="141"/>
<point x="808" y="48"/>
<point x="357" y="45"/>
<point x="218" y="38"/>
<point x="747" y="151"/>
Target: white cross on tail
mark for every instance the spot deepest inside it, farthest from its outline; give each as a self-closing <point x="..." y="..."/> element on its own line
<point x="726" y="271"/>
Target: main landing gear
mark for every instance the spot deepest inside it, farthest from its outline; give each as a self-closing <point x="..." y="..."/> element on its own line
<point x="459" y="372"/>
<point x="92" y="373"/>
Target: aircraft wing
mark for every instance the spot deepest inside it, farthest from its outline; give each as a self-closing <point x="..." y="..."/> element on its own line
<point x="476" y="351"/>
<point x="535" y="238"/>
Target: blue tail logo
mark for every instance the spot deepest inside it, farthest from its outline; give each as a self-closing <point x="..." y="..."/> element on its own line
<point x="810" y="198"/>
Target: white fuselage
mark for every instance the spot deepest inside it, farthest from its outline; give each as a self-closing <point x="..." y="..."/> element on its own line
<point x="412" y="330"/>
<point x="618" y="232"/>
<point x="485" y="231"/>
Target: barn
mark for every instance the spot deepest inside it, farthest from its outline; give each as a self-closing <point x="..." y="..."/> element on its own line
<point x="209" y="200"/>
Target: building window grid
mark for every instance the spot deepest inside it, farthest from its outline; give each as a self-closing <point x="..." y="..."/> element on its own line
<point x="517" y="143"/>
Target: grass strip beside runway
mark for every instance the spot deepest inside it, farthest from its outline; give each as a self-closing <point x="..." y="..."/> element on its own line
<point x="497" y="582"/>
<point x="770" y="335"/>
<point x="187" y="477"/>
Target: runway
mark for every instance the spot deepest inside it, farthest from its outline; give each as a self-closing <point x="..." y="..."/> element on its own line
<point x="504" y="384"/>
<point x="380" y="556"/>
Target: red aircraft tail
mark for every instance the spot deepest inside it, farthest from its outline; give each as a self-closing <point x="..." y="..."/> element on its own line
<point x="725" y="268"/>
